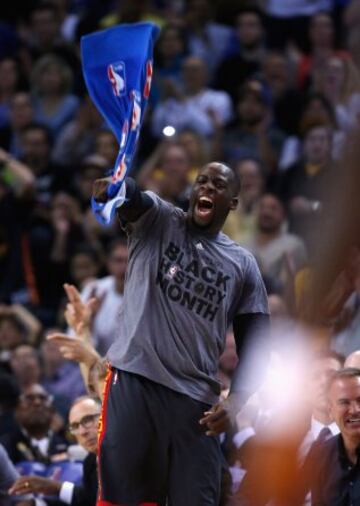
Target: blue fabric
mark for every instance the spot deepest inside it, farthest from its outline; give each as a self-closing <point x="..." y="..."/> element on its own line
<point x="117" y="67"/>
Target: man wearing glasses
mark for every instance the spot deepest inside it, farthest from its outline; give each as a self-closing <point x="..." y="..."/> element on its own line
<point x="83" y="424"/>
<point x="32" y="440"/>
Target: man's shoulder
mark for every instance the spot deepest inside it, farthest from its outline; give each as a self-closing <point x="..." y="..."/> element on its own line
<point x="234" y="248"/>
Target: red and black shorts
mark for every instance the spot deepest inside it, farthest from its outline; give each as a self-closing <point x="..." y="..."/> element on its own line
<point x="152" y="449"/>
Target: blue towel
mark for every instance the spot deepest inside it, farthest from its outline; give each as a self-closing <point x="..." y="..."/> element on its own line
<point x="117" y="67"/>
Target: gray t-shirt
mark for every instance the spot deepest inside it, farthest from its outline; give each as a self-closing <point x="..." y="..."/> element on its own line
<point x="182" y="291"/>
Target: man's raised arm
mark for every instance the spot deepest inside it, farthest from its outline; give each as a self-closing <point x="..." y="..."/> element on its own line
<point x="136" y="202"/>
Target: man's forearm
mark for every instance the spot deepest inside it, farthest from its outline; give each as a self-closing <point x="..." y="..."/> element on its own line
<point x="136" y="203"/>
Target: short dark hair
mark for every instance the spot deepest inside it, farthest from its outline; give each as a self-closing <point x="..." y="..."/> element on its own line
<point x="346" y="373"/>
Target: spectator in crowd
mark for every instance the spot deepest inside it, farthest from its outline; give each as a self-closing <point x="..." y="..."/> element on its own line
<point x="77" y="138"/>
<point x="25" y="365"/>
<point x="333" y="471"/>
<point x="83" y="418"/>
<point x="197" y="149"/>
<point x="322" y="42"/>
<point x="167" y="172"/>
<point x="271" y="244"/>
<point x="79" y="348"/>
<point x="106" y="146"/>
<point x="170" y="51"/>
<point x="316" y="109"/>
<point x="252" y="135"/>
<point x="247" y="60"/>
<point x="207" y="39"/>
<point x="51" y="85"/>
<point x="197" y="106"/>
<point x="323" y="426"/>
<point x="20" y="116"/>
<point x="288" y="22"/>
<point x="85" y="265"/>
<point x="52" y="239"/>
<point x="276" y="73"/>
<point x="17" y="327"/>
<point x="302" y="185"/>
<point x="43" y="37"/>
<point x="32" y="438"/>
<point x="60" y="377"/>
<point x="89" y="169"/>
<point x="10" y="83"/>
<point x="49" y="177"/>
<point x="340" y="84"/>
<point x="109" y="292"/>
<point x="240" y="225"/>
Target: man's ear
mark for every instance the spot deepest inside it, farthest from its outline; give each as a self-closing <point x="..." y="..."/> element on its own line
<point x="234" y="203"/>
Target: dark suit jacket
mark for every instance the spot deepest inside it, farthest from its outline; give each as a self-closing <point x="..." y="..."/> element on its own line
<point x="86" y="494"/>
<point x="19" y="447"/>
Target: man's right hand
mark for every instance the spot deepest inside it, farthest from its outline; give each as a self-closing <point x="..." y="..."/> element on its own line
<point x="35" y="485"/>
<point x="100" y="187"/>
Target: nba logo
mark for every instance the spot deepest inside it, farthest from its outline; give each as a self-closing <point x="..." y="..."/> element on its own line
<point x="116" y="76"/>
<point x="136" y="113"/>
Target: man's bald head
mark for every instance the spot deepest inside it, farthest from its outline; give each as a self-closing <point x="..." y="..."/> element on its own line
<point x="353" y="360"/>
<point x="227" y="171"/>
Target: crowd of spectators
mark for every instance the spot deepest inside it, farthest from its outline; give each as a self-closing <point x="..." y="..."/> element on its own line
<point x="271" y="88"/>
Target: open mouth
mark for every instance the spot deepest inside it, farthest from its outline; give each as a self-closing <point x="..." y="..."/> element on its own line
<point x="353" y="422"/>
<point x="204" y="208"/>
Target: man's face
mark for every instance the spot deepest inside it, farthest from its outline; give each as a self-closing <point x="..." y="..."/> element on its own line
<point x="317" y="146"/>
<point x="321" y="371"/>
<point x="21" y="111"/>
<point x="36" y="146"/>
<point x="45" y="26"/>
<point x="34" y="411"/>
<point x="322" y="30"/>
<point x="250" y="177"/>
<point x="83" y="423"/>
<point x="270" y="214"/>
<point x="194" y="74"/>
<point x="251" y="110"/>
<point x="175" y="168"/>
<point x="212" y="197"/>
<point x="25" y="364"/>
<point x="249" y="30"/>
<point x="10" y="334"/>
<point x="344" y="397"/>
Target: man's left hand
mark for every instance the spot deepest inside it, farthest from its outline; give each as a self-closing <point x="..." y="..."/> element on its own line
<point x="222" y="416"/>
